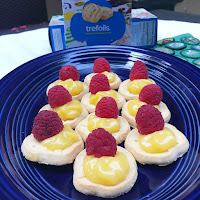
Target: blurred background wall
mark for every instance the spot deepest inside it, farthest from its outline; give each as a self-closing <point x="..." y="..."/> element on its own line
<point x="15" y="13"/>
<point x="54" y="7"/>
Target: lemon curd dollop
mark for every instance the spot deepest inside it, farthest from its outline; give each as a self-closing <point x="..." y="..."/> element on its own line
<point x="106" y="170"/>
<point x="110" y="76"/>
<point x="95" y="98"/>
<point x="74" y="87"/>
<point x="136" y="85"/>
<point x="111" y="125"/>
<point x="70" y="110"/>
<point x="62" y="140"/>
<point x="158" y="142"/>
<point x="134" y="105"/>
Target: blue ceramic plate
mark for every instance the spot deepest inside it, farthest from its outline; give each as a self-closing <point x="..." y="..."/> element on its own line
<point x="22" y="94"/>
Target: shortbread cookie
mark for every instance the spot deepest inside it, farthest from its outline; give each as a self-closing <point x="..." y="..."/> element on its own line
<point x="161" y="159"/>
<point x="60" y="101"/>
<point x="73" y="122"/>
<point x="166" y="114"/>
<point x="153" y="141"/>
<point x="114" y="85"/>
<point x="33" y="151"/>
<point x="76" y="97"/>
<point x="124" y="91"/>
<point x="83" y="131"/>
<point x="101" y="65"/>
<point x="106" y="13"/>
<point x="69" y="79"/>
<point x="150" y="94"/>
<point x="92" y="13"/>
<point x="51" y="142"/>
<point x="113" y="169"/>
<point x="99" y="88"/>
<point x="138" y="78"/>
<point x="91" y="108"/>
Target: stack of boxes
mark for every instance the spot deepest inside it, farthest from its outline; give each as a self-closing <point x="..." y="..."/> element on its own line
<point x="113" y="23"/>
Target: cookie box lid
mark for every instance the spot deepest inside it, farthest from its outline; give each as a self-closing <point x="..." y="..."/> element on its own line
<point x="56" y="20"/>
<point x="141" y="13"/>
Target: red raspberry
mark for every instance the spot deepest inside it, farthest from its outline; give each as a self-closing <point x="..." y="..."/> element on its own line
<point x="151" y="94"/>
<point x="101" y="65"/>
<point x="138" y="71"/>
<point x="149" y="120"/>
<point x="100" y="143"/>
<point x="46" y="124"/>
<point x="58" y="96"/>
<point x="99" y="82"/>
<point x="107" y="108"/>
<point x="67" y="72"/>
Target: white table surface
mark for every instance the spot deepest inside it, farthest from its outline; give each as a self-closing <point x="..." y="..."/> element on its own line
<point x="17" y="49"/>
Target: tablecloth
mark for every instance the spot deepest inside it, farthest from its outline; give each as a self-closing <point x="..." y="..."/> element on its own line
<point x="17" y="49"/>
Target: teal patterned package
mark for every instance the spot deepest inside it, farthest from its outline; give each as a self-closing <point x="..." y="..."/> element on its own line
<point x="184" y="46"/>
<point x="96" y="22"/>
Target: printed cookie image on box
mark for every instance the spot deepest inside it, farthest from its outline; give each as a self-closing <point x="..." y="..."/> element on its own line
<point x="93" y="13"/>
<point x="98" y="23"/>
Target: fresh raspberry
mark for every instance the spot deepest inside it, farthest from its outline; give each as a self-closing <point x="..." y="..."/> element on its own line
<point x="67" y="72"/>
<point x="107" y="108"/>
<point x="138" y="71"/>
<point x="99" y="82"/>
<point x="100" y="143"/>
<point x="58" y="96"/>
<point x="46" y="124"/>
<point x="151" y="94"/>
<point x="149" y="120"/>
<point x="101" y="65"/>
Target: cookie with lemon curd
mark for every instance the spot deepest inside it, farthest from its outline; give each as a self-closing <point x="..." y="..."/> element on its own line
<point x="150" y="94"/>
<point x="138" y="78"/>
<point x="69" y="79"/>
<point x="153" y="141"/>
<point x="51" y="142"/>
<point x="104" y="169"/>
<point x="99" y="88"/>
<point x="105" y="116"/>
<point x="60" y="101"/>
<point x="101" y="65"/>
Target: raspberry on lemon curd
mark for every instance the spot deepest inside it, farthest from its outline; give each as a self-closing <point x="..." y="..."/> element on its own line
<point x="150" y="94"/>
<point x="153" y="141"/>
<point x="51" y="142"/>
<point x="105" y="116"/>
<point x="101" y="65"/>
<point x="104" y="169"/>
<point x="138" y="78"/>
<point x="60" y="101"/>
<point x="99" y="88"/>
<point x="69" y="79"/>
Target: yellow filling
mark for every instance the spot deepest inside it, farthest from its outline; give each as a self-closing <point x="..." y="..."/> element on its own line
<point x="69" y="111"/>
<point x="74" y="87"/>
<point x="95" y="98"/>
<point x="158" y="142"/>
<point x="109" y="124"/>
<point x="136" y="85"/>
<point x="135" y="104"/>
<point x="110" y="76"/>
<point x="106" y="170"/>
<point x="62" y="140"/>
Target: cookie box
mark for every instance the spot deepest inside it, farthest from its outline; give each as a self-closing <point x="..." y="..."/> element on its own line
<point x="143" y="28"/>
<point x="56" y="33"/>
<point x="96" y="22"/>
